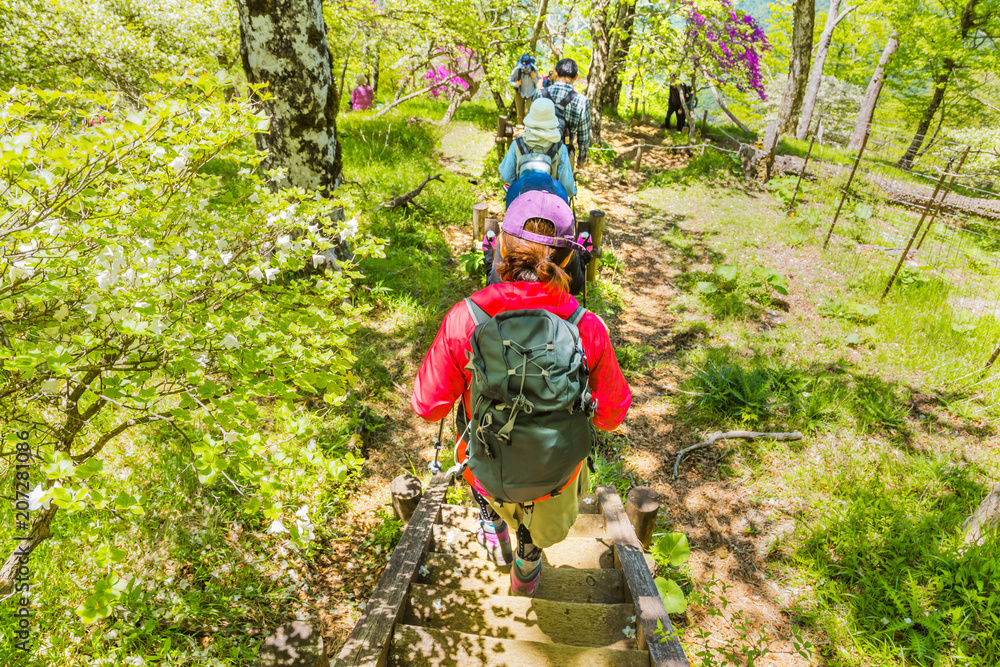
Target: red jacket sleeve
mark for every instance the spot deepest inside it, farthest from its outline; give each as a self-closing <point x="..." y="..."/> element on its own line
<point x="442" y="377"/>
<point x="607" y="383"/>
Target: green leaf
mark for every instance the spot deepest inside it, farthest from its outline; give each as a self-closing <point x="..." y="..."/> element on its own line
<point x="61" y="467"/>
<point x="671" y="594"/>
<point x="727" y="272"/>
<point x="89" y="468"/>
<point x="853" y="339"/>
<point x="707" y="288"/>
<point x="672" y="549"/>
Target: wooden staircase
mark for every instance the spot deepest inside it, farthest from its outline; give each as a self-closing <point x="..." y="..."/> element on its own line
<point x="441" y="602"/>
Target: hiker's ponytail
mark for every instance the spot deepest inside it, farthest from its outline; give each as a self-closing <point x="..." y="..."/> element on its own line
<point x="526" y="261"/>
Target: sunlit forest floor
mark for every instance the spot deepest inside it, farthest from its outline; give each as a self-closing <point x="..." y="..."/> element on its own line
<point x="836" y="535"/>
<point x="849" y="538"/>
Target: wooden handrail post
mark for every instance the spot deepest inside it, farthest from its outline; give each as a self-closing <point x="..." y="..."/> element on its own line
<point x="501" y="138"/>
<point x="406" y="494"/>
<point x="642" y="506"/>
<point x="638" y="157"/>
<point x="479" y="210"/>
<point x="595" y="224"/>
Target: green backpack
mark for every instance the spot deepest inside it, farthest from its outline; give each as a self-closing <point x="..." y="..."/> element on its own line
<point x="531" y="402"/>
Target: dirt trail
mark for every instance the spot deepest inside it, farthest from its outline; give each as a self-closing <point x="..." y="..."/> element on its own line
<point x="731" y="539"/>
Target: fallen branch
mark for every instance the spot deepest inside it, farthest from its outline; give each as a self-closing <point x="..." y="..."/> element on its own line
<point x="436" y="84"/>
<point x="718" y="98"/>
<point x="408" y="198"/>
<point x="734" y="435"/>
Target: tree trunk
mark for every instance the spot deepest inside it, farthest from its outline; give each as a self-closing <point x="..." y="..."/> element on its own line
<point x="283" y="44"/>
<point x="722" y="105"/>
<point x="871" y="94"/>
<point x="543" y="10"/>
<point x="40" y="531"/>
<point x="816" y="75"/>
<point x="985" y="516"/>
<point x="794" y="89"/>
<point x="940" y="84"/>
<point x="601" y="35"/>
<point x="798" y="65"/>
<point x="457" y="99"/>
<point x="625" y="21"/>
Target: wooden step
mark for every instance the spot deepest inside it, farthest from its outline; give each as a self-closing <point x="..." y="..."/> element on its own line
<point x="427" y="647"/>
<point x="467" y="518"/>
<point x="565" y="584"/>
<point x="508" y="617"/>
<point x="578" y="552"/>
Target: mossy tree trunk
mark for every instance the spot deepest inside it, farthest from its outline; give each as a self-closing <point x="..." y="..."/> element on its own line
<point x="283" y="44"/>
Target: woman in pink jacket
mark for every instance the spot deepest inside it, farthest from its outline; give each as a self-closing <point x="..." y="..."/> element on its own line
<point x="362" y="97"/>
<point x="534" y="278"/>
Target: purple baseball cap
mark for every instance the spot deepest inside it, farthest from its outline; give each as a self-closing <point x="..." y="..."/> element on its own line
<point x="547" y="206"/>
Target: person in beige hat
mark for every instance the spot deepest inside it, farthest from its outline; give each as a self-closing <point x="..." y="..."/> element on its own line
<point x="540" y="148"/>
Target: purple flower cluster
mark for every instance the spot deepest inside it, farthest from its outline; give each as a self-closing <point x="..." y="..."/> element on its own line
<point x="453" y="73"/>
<point x="730" y="42"/>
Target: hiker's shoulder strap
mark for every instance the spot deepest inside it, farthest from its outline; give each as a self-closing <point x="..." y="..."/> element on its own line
<point x="577" y="315"/>
<point x="521" y="146"/>
<point x="553" y="151"/>
<point x="478" y="314"/>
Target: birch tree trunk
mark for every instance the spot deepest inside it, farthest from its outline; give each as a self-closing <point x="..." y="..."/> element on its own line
<point x="798" y="64"/>
<point x="794" y="89"/>
<point x="283" y="44"/>
<point x="621" y="45"/>
<point x="871" y="94"/>
<point x="816" y="75"/>
<point x="600" y="33"/>
<point x="543" y="10"/>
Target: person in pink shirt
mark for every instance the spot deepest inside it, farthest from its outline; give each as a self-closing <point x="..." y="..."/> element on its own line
<point x="362" y="97"/>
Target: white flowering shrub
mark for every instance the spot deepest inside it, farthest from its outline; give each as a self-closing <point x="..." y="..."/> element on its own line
<point x="149" y="278"/>
<point x="116" y="42"/>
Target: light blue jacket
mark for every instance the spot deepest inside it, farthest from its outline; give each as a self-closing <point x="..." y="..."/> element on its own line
<point x="521" y="79"/>
<point x="564" y="174"/>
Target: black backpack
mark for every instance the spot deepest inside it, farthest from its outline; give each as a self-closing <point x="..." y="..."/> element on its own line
<point x="561" y="107"/>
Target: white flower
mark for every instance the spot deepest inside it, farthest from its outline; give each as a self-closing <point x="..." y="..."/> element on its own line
<point x="192" y="256"/>
<point x="348" y="229"/>
<point x="254" y="198"/>
<point x="588" y="501"/>
<point x="156" y="327"/>
<point x="277" y="526"/>
<point x="424" y="571"/>
<point x="284" y="241"/>
<point x="230" y="342"/>
<point x="202" y="204"/>
<point x="178" y="163"/>
<point x="629" y="632"/>
<point x="226" y="257"/>
<point x="51" y="386"/>
<point x="111" y="634"/>
<point x="256" y="273"/>
<point x="270" y="274"/>
<point x="91" y="309"/>
<point x="105" y="279"/>
<point x="135" y="661"/>
<point x="303" y="513"/>
<point x="35" y="501"/>
<point x="438" y="605"/>
<point x="158" y="153"/>
<point x="243" y="172"/>
<point x="907" y="621"/>
<point x="229" y="437"/>
<point x="317" y="260"/>
<point x="205" y="114"/>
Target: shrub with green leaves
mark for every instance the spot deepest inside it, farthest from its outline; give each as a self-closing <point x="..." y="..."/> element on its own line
<point x="151" y="278"/>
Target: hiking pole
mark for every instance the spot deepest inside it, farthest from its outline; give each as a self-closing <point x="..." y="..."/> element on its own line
<point x="435" y="467"/>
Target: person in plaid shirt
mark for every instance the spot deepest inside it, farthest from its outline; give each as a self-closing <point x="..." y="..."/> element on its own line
<point x="572" y="108"/>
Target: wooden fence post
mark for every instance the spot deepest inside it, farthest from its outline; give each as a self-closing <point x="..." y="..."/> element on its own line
<point x="642" y="507"/>
<point x="638" y="158"/>
<point x="595" y="224"/>
<point x="847" y="188"/>
<point x="805" y="164"/>
<point x="479" y="210"/>
<point x="406" y="493"/>
<point x="993" y="359"/>
<point x="916" y="230"/>
<point x="951" y="186"/>
<point x="704" y="120"/>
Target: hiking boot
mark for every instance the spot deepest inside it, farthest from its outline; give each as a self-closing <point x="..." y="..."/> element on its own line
<point x="496" y="540"/>
<point x="525" y="575"/>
